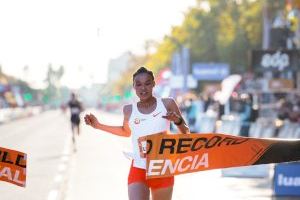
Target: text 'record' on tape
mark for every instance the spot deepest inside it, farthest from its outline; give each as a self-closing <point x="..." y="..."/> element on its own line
<point x="173" y="154"/>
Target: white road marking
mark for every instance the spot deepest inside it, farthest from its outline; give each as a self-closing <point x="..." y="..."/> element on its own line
<point x="62" y="167"/>
<point x="61" y="175"/>
<point x="58" y="178"/>
<point x="52" y="195"/>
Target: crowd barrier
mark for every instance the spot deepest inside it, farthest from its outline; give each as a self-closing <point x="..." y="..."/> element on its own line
<point x="204" y="124"/>
<point x="9" y="114"/>
<point x="228" y="126"/>
<point x="4" y="115"/>
<point x="263" y="128"/>
<point x="256" y="171"/>
<point x="289" y="130"/>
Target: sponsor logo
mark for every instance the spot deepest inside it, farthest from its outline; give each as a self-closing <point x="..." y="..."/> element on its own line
<point x="142" y="148"/>
<point x="277" y="60"/>
<point x="288" y="181"/>
<point x="137" y="120"/>
<point x="154" y="115"/>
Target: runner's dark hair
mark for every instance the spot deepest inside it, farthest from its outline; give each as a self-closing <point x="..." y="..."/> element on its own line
<point x="143" y="70"/>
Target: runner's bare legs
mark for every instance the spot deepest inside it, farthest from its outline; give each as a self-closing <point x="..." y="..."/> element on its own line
<point x="75" y="127"/>
<point x="138" y="191"/>
<point x="162" y="193"/>
<point x="78" y="129"/>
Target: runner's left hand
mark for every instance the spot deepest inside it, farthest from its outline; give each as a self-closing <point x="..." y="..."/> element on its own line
<point x="172" y="116"/>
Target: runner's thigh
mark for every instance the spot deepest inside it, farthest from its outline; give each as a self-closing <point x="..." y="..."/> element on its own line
<point x="162" y="193"/>
<point x="138" y="191"/>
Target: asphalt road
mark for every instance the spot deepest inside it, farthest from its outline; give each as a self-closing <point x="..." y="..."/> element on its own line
<point x="99" y="168"/>
<point x="44" y="138"/>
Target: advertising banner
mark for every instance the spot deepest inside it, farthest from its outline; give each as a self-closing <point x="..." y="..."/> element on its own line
<point x="275" y="60"/>
<point x="287" y="179"/>
<point x="210" y="71"/>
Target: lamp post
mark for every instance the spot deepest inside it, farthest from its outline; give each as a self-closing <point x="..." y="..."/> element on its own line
<point x="181" y="60"/>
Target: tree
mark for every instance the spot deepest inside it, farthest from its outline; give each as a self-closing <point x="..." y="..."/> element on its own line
<point x="225" y="32"/>
<point x="52" y="94"/>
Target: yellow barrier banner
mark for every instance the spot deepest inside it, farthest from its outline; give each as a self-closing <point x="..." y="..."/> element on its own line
<point x="13" y="166"/>
<point x="173" y="154"/>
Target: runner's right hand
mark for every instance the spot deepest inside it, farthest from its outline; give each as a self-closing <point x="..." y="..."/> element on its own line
<point x="91" y="120"/>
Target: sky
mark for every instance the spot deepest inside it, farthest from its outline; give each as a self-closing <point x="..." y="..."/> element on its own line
<point x="81" y="35"/>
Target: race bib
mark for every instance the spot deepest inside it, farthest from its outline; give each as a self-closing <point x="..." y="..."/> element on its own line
<point x="75" y="110"/>
<point x="142" y="143"/>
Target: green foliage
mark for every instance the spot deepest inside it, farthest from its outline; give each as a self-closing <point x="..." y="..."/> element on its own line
<point x="52" y="92"/>
<point x="224" y="34"/>
<point x="227" y="32"/>
<point x="27" y="97"/>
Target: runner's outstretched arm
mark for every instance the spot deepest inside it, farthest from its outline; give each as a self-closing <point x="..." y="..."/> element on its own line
<point x="124" y="130"/>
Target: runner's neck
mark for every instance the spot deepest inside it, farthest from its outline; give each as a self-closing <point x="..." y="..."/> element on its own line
<point x="147" y="103"/>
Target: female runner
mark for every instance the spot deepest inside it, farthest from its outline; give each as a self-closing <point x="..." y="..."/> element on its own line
<point x="147" y="116"/>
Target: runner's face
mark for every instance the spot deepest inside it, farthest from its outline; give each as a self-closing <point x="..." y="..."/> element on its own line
<point x="143" y="85"/>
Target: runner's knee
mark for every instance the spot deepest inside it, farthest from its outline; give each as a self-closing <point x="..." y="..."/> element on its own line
<point x="162" y="193"/>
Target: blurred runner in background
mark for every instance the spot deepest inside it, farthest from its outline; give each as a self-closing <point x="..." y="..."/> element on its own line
<point x="75" y="108"/>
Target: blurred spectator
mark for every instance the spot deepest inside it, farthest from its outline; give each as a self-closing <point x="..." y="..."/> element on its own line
<point x="280" y="20"/>
<point x="245" y="114"/>
<point x="3" y="103"/>
<point x="63" y="108"/>
<point x="207" y="102"/>
<point x="191" y="113"/>
<point x="290" y="109"/>
<point x="285" y="109"/>
<point x="221" y="110"/>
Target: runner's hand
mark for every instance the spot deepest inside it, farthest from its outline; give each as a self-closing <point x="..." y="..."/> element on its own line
<point x="172" y="116"/>
<point x="91" y="120"/>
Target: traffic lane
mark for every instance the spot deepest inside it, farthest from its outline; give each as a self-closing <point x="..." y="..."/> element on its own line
<point x="211" y="185"/>
<point x="21" y="127"/>
<point x="99" y="168"/>
<point x="43" y="138"/>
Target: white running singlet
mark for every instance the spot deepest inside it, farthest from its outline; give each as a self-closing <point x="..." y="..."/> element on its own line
<point x="146" y="124"/>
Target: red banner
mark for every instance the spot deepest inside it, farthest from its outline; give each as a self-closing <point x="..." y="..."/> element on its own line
<point x="174" y="154"/>
<point x="13" y="166"/>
